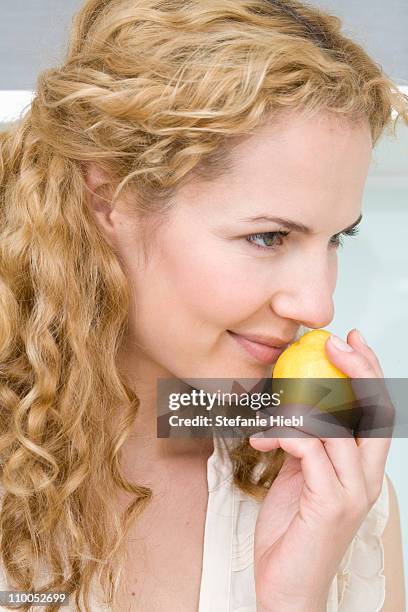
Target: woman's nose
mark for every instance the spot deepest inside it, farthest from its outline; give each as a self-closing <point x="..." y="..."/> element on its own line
<point x="307" y="298"/>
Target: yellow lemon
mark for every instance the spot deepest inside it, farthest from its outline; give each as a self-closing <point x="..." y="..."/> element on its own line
<point x="307" y="359"/>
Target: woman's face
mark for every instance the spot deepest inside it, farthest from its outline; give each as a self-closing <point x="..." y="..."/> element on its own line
<point x="208" y="273"/>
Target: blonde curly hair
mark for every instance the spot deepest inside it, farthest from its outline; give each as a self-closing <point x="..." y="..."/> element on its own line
<point x="154" y="91"/>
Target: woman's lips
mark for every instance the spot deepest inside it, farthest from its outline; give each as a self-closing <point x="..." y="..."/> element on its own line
<point x="261" y="352"/>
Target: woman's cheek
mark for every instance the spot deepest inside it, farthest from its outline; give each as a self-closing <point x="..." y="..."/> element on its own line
<point x="216" y="281"/>
<point x="226" y="294"/>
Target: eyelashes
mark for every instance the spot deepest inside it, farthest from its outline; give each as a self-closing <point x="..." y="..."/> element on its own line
<point x="278" y="238"/>
<point x="338" y="238"/>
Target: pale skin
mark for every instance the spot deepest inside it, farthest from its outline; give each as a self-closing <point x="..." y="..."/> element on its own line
<point x="202" y="278"/>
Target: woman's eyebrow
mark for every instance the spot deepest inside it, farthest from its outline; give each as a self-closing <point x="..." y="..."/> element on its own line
<point x="293" y="225"/>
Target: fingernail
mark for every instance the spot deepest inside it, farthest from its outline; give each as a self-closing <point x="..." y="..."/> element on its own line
<point x="361" y="337"/>
<point x="260" y="434"/>
<point x="338" y="343"/>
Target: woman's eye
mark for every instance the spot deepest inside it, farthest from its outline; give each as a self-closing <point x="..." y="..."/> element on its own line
<point x="270" y="240"/>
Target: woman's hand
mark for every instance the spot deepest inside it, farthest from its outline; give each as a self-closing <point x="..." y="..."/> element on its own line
<point x="318" y="501"/>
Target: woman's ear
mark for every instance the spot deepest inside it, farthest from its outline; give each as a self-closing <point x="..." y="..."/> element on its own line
<point x="97" y="184"/>
<point x="98" y="194"/>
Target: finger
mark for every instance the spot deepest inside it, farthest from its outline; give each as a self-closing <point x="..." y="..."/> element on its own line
<point x="268" y="439"/>
<point x="308" y="418"/>
<point x="343" y="453"/>
<point x="355" y="339"/>
<point x="374" y="434"/>
<point x="378" y="412"/>
<point x="317" y="468"/>
<point x="369" y="390"/>
<point x="348" y="359"/>
<point x="345" y="457"/>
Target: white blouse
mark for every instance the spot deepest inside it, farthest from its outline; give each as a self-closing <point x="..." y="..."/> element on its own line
<point x="227" y="582"/>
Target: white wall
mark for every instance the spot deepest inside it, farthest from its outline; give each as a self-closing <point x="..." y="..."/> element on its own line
<point x="372" y="290"/>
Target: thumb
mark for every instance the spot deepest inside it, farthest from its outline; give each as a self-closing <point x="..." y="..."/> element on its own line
<point x="350" y="361"/>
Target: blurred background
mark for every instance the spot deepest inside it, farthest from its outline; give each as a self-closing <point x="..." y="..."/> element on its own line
<point x="372" y="290"/>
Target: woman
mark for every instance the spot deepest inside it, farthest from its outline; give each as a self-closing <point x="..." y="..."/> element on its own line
<point x="127" y="256"/>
